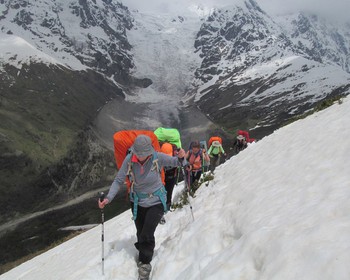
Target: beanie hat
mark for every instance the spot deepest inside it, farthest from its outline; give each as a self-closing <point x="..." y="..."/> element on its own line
<point x="142" y="146"/>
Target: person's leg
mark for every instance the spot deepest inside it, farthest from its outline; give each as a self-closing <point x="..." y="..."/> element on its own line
<point x="141" y="213"/>
<point x="192" y="175"/>
<point x="195" y="184"/>
<point x="169" y="186"/>
<point x="198" y="175"/>
<point x="217" y="161"/>
<point x="145" y="236"/>
<point x="212" y="164"/>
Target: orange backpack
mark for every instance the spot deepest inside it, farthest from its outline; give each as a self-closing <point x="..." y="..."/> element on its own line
<point x="124" y="139"/>
<point x="214" y="138"/>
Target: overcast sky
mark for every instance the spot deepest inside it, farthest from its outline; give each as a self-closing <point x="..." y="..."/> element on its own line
<point x="337" y="8"/>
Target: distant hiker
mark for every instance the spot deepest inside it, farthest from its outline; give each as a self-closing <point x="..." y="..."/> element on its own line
<point x="195" y="157"/>
<point x="170" y="171"/>
<point x="215" y="153"/>
<point x="214" y="138"/>
<point x="245" y="134"/>
<point x="147" y="194"/>
<point x="240" y="144"/>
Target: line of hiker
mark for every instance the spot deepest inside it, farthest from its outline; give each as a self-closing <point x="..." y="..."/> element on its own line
<point x="148" y="164"/>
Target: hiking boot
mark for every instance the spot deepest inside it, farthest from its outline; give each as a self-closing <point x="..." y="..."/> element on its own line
<point x="162" y="221"/>
<point x="144" y="270"/>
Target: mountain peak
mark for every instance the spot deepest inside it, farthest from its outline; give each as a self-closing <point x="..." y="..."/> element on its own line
<point x="17" y="51"/>
<point x="79" y="35"/>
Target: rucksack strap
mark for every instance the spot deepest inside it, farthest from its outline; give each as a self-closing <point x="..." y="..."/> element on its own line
<point x="155" y="162"/>
<point x="200" y="154"/>
<point x="161" y="193"/>
<point x="130" y="173"/>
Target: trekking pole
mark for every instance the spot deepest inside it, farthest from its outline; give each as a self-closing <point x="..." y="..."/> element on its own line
<point x="186" y="179"/>
<point x="102" y="197"/>
<point x="207" y="176"/>
<point x="203" y="163"/>
<point x="205" y="171"/>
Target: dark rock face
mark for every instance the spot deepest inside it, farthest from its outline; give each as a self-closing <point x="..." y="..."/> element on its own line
<point x="326" y="42"/>
<point x="234" y="41"/>
<point x="107" y="51"/>
<point x="229" y="34"/>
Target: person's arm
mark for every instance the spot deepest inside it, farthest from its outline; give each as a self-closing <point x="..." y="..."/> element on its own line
<point x="206" y="156"/>
<point x="222" y="150"/>
<point x="179" y="160"/>
<point x="210" y="150"/>
<point x="118" y="181"/>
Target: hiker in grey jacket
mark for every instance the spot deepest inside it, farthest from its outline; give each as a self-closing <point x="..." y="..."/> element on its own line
<point x="147" y="193"/>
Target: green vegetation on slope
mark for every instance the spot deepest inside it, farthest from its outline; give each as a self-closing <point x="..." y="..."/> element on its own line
<point x="44" y="114"/>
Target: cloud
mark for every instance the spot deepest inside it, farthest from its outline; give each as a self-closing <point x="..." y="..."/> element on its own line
<point x="171" y="5"/>
<point x="330" y="8"/>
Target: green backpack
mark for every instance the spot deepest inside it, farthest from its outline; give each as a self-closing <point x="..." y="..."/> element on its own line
<point x="170" y="135"/>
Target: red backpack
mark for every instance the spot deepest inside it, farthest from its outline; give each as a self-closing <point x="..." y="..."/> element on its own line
<point x="245" y="134"/>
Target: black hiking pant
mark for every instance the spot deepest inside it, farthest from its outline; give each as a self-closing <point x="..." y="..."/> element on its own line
<point x="169" y="187"/>
<point x="146" y="223"/>
<point x="195" y="176"/>
<point x="214" y="162"/>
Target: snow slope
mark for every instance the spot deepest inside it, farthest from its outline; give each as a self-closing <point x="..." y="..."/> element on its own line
<point x="278" y="210"/>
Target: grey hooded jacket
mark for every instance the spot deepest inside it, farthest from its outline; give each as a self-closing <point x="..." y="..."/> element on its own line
<point x="146" y="180"/>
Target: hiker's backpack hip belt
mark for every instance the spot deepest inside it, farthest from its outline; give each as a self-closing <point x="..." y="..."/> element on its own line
<point x="161" y="193"/>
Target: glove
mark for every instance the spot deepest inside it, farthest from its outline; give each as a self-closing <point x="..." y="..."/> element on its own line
<point x="188" y="167"/>
<point x="103" y="203"/>
<point x="181" y="157"/>
<point x="181" y="153"/>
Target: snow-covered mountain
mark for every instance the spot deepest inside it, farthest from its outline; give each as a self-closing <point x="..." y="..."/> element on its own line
<point x="261" y="70"/>
<point x="77" y="34"/>
<point x="270" y="213"/>
<point x="319" y="39"/>
<point x="241" y="57"/>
